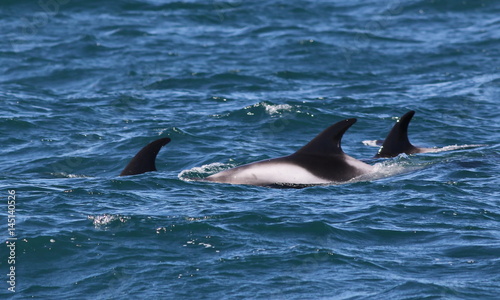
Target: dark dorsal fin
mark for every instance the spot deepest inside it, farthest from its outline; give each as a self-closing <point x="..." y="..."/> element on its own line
<point x="144" y="160"/>
<point x="327" y="142"/>
<point x="397" y="141"/>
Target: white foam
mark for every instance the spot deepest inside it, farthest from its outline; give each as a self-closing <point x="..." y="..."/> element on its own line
<point x="388" y="168"/>
<point x="103" y="220"/>
<point x="66" y="175"/>
<point x="201" y="172"/>
<point x="378" y="143"/>
<point x="452" y="147"/>
<point x="276" y="108"/>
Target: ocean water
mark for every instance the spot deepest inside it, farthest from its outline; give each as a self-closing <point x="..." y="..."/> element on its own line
<point x="85" y="84"/>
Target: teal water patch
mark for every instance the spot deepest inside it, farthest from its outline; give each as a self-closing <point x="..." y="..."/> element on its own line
<point x="85" y="85"/>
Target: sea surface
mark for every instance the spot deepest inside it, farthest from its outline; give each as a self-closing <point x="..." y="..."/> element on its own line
<point x="85" y="84"/>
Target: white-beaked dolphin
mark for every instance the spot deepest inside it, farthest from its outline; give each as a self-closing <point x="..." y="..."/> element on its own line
<point x="320" y="162"/>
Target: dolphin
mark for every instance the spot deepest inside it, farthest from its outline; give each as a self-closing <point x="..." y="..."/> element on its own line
<point x="397" y="141"/>
<point x="320" y="162"/>
<point x="144" y="160"/>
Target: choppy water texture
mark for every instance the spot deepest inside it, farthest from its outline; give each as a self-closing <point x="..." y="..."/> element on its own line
<point x="85" y="84"/>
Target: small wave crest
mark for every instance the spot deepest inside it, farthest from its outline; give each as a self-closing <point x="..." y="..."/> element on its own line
<point x="269" y="108"/>
<point x="276" y="108"/>
<point x="263" y="109"/>
<point x="107" y="219"/>
<point x="66" y="175"/>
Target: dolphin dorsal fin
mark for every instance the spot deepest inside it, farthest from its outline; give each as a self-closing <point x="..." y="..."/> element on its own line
<point x="144" y="160"/>
<point x="397" y="141"/>
<point x="328" y="142"/>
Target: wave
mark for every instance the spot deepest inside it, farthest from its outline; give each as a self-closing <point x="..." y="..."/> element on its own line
<point x="378" y="143"/>
<point x="107" y="219"/>
<point x="262" y="111"/>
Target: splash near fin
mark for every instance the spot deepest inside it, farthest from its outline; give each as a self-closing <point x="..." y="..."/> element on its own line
<point x="144" y="160"/>
<point x="327" y="143"/>
<point x="397" y="141"/>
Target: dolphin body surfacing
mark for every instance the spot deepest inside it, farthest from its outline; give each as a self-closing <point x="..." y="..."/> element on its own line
<point x="397" y="141"/>
<point x="144" y="160"/>
<point x="320" y="162"/>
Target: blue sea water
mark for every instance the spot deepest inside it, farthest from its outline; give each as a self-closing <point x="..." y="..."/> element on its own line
<point x="85" y="84"/>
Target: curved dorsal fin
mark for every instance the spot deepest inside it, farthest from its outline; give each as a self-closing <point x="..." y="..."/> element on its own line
<point x="397" y="141"/>
<point x="144" y="160"/>
<point x="328" y="142"/>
